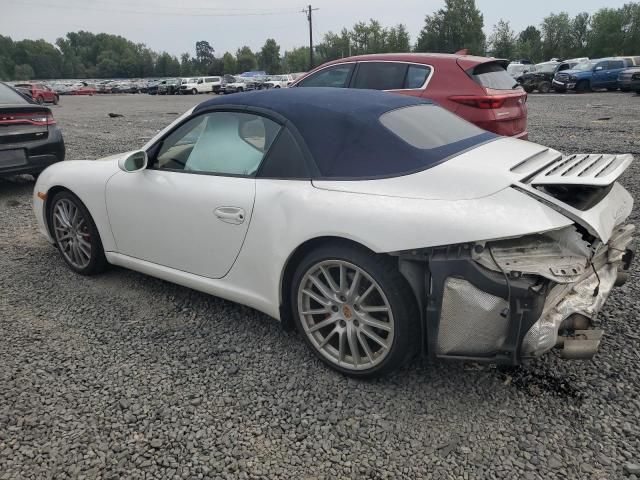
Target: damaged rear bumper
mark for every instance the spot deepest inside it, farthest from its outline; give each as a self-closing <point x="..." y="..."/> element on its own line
<point x="507" y="301"/>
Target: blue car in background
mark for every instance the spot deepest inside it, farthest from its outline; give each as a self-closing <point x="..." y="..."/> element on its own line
<point x="600" y="73"/>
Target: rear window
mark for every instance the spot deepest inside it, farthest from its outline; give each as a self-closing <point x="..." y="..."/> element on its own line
<point x="493" y="75"/>
<point x="428" y="126"/>
<point x="9" y="97"/>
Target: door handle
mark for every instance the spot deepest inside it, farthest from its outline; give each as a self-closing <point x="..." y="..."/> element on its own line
<point x="233" y="215"/>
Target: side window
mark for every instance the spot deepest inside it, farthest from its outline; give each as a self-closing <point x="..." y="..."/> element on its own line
<point x="564" y="66"/>
<point x="416" y="76"/>
<point x="602" y="66"/>
<point x="285" y="159"/>
<point x="380" y="75"/>
<point x="337" y="76"/>
<point x="225" y="143"/>
<point x="616" y="64"/>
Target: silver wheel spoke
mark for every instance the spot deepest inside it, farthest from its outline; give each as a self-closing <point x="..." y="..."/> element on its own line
<point x="328" y="337"/>
<point x="343" y="278"/>
<point x="342" y="345"/>
<point x="323" y="323"/>
<point x="374" y="336"/>
<point x="355" y="283"/>
<point x="374" y="322"/>
<point x="320" y="300"/>
<point x="315" y="311"/>
<point x="330" y="280"/>
<point x="366" y="293"/>
<point x="378" y="309"/>
<point x="326" y="293"/>
<point x="353" y="346"/>
<point x="365" y="347"/>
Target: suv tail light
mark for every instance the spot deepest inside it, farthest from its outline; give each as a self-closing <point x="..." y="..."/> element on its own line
<point x="485" y="102"/>
<point x="27" y="118"/>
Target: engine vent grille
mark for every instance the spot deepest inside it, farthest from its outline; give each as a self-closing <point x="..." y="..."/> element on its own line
<point x="470" y="320"/>
<point x="593" y="170"/>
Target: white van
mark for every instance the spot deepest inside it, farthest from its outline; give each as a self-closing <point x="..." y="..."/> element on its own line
<point x="200" y="85"/>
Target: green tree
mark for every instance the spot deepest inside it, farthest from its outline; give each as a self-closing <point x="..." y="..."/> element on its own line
<point x="607" y="34"/>
<point x="186" y="65"/>
<point x="245" y="60"/>
<point x="229" y="65"/>
<point x="502" y="42"/>
<point x="456" y="26"/>
<point x="579" y="34"/>
<point x="270" y="57"/>
<point x="204" y="55"/>
<point x="529" y="44"/>
<point x="296" y="60"/>
<point x="556" y="36"/>
<point x="24" y="72"/>
<point x="7" y="63"/>
<point x="398" y="40"/>
<point x="631" y="28"/>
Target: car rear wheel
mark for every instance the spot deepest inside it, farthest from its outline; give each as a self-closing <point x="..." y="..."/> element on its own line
<point x="194" y="91"/>
<point x="56" y="100"/>
<point x="544" y="87"/>
<point x="355" y="310"/>
<point x="40" y="100"/>
<point x="76" y="234"/>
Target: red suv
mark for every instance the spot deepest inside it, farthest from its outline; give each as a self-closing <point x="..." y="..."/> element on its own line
<point x="38" y="92"/>
<point x="479" y="89"/>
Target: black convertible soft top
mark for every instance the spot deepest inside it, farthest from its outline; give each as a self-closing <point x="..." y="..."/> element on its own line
<point x="343" y="131"/>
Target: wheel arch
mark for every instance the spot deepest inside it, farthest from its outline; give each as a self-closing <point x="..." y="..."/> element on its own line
<point x="304" y="248"/>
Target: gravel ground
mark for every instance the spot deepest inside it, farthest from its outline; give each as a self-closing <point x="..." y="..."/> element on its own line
<point x="126" y="376"/>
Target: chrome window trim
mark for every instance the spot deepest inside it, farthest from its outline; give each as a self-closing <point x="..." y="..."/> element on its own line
<point x="356" y="62"/>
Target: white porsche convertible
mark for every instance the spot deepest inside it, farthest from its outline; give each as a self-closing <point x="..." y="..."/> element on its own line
<point x="380" y="225"/>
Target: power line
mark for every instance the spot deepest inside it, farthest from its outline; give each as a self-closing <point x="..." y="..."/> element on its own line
<point x="182" y="13"/>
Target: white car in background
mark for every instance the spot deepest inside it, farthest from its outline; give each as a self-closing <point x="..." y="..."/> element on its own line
<point x="197" y="85"/>
<point x="278" y="81"/>
<point x="379" y="225"/>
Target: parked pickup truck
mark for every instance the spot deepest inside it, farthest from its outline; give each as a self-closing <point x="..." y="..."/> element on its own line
<point x="600" y="73"/>
<point x="629" y="79"/>
<point x="201" y="85"/>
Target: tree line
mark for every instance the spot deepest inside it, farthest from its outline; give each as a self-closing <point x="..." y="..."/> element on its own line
<point x="458" y="25"/>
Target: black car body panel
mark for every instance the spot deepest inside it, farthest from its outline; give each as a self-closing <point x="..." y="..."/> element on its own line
<point x="30" y="140"/>
<point x="542" y="78"/>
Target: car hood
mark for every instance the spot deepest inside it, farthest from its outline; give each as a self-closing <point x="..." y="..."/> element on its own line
<point x="508" y="164"/>
<point x="575" y="72"/>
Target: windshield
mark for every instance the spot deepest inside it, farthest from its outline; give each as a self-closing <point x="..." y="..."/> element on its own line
<point x="546" y="67"/>
<point x="584" y="66"/>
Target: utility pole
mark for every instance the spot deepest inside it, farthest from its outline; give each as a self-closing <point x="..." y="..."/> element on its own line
<point x="308" y="11"/>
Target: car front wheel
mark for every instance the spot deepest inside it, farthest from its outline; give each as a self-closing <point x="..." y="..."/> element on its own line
<point x="355" y="310"/>
<point x="76" y="234"/>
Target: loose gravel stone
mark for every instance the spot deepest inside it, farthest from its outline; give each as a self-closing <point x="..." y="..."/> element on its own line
<point x="125" y="376"/>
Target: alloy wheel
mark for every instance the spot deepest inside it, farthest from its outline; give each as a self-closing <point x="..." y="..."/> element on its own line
<point x="71" y="231"/>
<point x="345" y="315"/>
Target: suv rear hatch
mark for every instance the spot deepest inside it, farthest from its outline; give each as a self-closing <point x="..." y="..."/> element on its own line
<point x="502" y="96"/>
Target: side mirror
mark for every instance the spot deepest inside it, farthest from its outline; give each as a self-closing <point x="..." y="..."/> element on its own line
<point x="134" y="162"/>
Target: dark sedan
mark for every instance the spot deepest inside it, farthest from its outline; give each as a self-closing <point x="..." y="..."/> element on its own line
<point x="629" y="80"/>
<point x="30" y="141"/>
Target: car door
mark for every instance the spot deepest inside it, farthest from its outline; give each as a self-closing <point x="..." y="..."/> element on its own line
<point x="599" y="77"/>
<point x="615" y="67"/>
<point x="190" y="210"/>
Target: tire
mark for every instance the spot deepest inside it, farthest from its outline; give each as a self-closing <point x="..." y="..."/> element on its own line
<point x="277" y="86"/>
<point x="40" y="100"/>
<point x="625" y="89"/>
<point x="529" y="89"/>
<point x="346" y="321"/>
<point x="560" y="90"/>
<point x="583" y="86"/>
<point x="544" y="87"/>
<point x="79" y="228"/>
<point x="194" y="91"/>
<point x="56" y="100"/>
<point x="612" y="89"/>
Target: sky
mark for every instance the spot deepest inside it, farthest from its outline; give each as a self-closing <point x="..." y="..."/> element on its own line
<point x="175" y="25"/>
